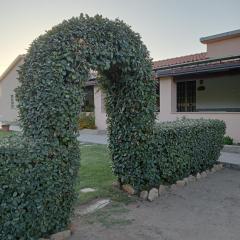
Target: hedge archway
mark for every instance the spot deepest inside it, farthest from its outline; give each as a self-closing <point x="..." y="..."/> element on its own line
<point x="56" y="68"/>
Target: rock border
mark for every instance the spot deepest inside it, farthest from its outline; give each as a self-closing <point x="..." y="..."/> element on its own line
<point x="150" y="195"/>
<point x="154" y="193"/>
<point x="63" y="235"/>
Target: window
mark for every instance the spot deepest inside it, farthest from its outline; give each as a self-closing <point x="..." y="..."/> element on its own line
<point x="12" y="102"/>
<point x="186" y="96"/>
<point x="88" y="105"/>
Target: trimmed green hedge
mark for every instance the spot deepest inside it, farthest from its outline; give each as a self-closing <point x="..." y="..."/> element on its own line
<point x="185" y="147"/>
<point x="36" y="196"/>
<point x="38" y="171"/>
<point x="52" y="77"/>
<point x="176" y="150"/>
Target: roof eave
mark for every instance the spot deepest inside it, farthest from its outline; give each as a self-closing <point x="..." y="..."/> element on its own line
<point x="221" y="36"/>
<point x="197" y="70"/>
<point x="11" y="66"/>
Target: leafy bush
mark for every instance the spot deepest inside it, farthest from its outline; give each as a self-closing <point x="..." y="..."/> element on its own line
<point x="39" y="198"/>
<point x="227" y="140"/>
<point x="36" y="194"/>
<point x="186" y="147"/>
<point x="87" y="121"/>
<point x="177" y="149"/>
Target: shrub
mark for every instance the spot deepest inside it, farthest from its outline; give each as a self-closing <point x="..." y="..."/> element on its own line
<point x="177" y="149"/>
<point x="186" y="147"/>
<point x="52" y="77"/>
<point x="87" y="121"/>
<point x="227" y="140"/>
<point x="36" y="194"/>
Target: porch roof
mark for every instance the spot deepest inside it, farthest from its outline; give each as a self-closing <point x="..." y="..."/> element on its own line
<point x="199" y="67"/>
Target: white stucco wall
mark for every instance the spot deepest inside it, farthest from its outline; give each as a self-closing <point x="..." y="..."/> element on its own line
<point x="220" y="92"/>
<point x="99" y="109"/>
<point x="224" y="48"/>
<point x="168" y="109"/>
<point x="168" y="112"/>
<point x="7" y="86"/>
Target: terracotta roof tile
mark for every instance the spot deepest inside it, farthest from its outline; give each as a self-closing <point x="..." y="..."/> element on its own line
<point x="180" y="60"/>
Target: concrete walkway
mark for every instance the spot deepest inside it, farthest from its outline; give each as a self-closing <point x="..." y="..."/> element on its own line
<point x="92" y="136"/>
<point x="231" y="160"/>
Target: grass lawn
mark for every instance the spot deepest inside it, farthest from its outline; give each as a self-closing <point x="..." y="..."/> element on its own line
<point x="96" y="172"/>
<point x="4" y="134"/>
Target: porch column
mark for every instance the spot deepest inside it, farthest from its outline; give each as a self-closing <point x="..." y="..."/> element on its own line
<point x="99" y="109"/>
<point x="168" y="96"/>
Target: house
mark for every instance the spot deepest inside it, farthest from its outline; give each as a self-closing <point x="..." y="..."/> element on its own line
<point x="8" y="82"/>
<point x="202" y="85"/>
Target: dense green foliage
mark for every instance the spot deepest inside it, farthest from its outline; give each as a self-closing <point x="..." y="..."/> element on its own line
<point x="186" y="147"/>
<point x="227" y="140"/>
<point x="39" y="177"/>
<point x="87" y="121"/>
<point x="38" y="171"/>
<point x="34" y="188"/>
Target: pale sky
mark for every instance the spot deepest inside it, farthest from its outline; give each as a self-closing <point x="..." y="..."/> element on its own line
<point x="169" y="28"/>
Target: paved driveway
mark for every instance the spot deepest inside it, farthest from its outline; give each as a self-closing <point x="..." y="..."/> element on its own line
<point x="205" y="210"/>
<point x="93" y="138"/>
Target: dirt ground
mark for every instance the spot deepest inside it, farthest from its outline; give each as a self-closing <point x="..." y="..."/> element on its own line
<point x="205" y="210"/>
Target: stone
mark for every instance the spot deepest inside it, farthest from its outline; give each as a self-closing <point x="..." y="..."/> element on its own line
<point x="153" y="194"/>
<point x="173" y="187"/>
<point x="116" y="184"/>
<point x="213" y="170"/>
<point x="191" y="178"/>
<point x="215" y="166"/>
<point x="87" y="190"/>
<point x="128" y="188"/>
<point x="186" y="180"/>
<point x="161" y="189"/>
<point x="94" y="207"/>
<point x="220" y="166"/>
<point x="144" y="195"/>
<point x="180" y="183"/>
<point x="207" y="171"/>
<point x="72" y="227"/>
<point x="198" y="176"/>
<point x="203" y="174"/>
<point x="61" y="235"/>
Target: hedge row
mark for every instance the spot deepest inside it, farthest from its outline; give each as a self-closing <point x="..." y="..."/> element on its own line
<point x="178" y="149"/>
<point x="175" y="150"/>
<point x="36" y="196"/>
<point x="185" y="147"/>
<point x="50" y="95"/>
<point x="38" y="171"/>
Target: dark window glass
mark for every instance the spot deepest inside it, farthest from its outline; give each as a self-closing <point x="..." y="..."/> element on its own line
<point x="186" y="96"/>
<point x="88" y="105"/>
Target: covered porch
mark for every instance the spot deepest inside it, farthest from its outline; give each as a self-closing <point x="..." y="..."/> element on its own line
<point x="207" y="89"/>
